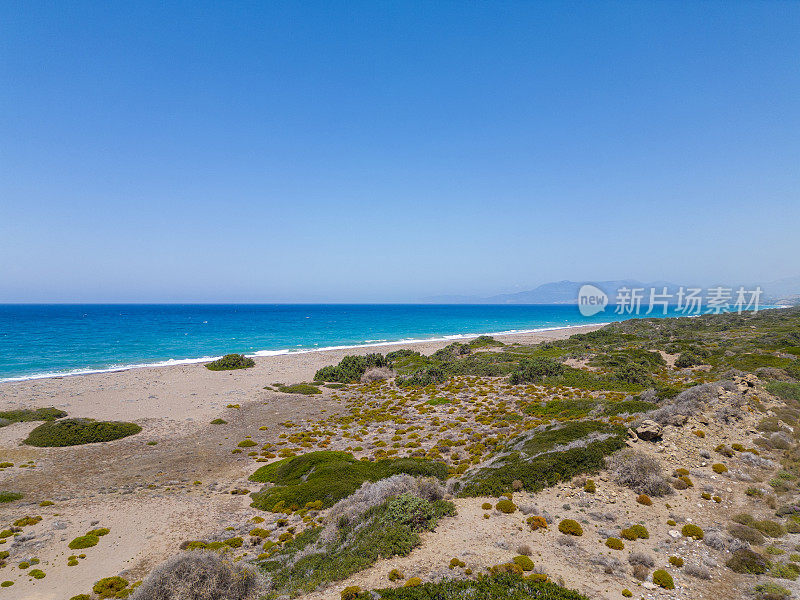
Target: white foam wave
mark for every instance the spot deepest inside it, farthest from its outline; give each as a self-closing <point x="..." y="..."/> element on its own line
<point x="266" y="353"/>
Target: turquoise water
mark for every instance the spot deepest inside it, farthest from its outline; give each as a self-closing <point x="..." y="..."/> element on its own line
<point x="42" y="340"/>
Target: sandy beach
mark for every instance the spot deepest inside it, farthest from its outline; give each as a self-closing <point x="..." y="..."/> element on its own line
<point x="171" y="482"/>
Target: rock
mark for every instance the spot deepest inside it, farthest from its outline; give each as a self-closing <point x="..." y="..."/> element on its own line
<point x="677" y="420"/>
<point x="674" y="534"/>
<point x="649" y="431"/>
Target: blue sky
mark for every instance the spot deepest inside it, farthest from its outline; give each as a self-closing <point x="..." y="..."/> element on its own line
<point x="386" y="151"/>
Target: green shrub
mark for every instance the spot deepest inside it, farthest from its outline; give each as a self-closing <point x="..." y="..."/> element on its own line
<point x="423" y="377"/>
<point x="413" y="582"/>
<point x="538" y="466"/>
<point x="300" y="388"/>
<point x="24" y="415"/>
<point x="644" y="499"/>
<point x="523" y="562"/>
<point x="570" y="527"/>
<point x="663" y="579"/>
<point x="747" y="561"/>
<point x="9" y="497"/>
<point x="219" y="422"/>
<point x="719" y="468"/>
<point x="535" y="370"/>
<point x="84" y="541"/>
<point x="785" y="390"/>
<point x="395" y="575"/>
<point x="746" y="533"/>
<point x="771" y="591"/>
<point x="350" y="368"/>
<point x="506" y="506"/>
<point x="635" y="532"/>
<point x="329" y="476"/>
<point x="589" y="487"/>
<point x="36" y="574"/>
<point x="501" y="586"/>
<point x="676" y="561"/>
<point x="633" y="373"/>
<point x="390" y="529"/>
<point x="629" y="407"/>
<point x="229" y="362"/>
<point x="351" y="592"/>
<point x="73" y="432"/>
<point x="615" y="543"/>
<point x="784" y="571"/>
<point x="688" y="359"/>
<point x="692" y="531"/>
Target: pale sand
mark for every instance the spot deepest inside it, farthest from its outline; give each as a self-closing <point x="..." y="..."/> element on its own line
<point x="146" y="494"/>
<point x="183" y="393"/>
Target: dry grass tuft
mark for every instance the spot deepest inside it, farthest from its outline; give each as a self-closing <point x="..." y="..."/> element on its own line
<point x="200" y="575"/>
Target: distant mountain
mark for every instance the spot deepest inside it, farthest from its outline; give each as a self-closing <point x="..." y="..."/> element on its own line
<point x="782" y="291"/>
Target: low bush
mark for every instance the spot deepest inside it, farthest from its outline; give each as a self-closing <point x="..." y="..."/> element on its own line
<point x="747" y="561"/>
<point x="746" y="534"/>
<point x="350" y="592"/>
<point x="784" y="571"/>
<point x="229" y="362"/>
<point x="615" y="543"/>
<point x="570" y="527"/>
<point x="635" y="532"/>
<point x="74" y="432"/>
<point x="523" y="562"/>
<point x="84" y="541"/>
<point x="771" y="591"/>
<point x="506" y="506"/>
<point x="535" y="370"/>
<point x="719" y="468"/>
<point x="535" y="459"/>
<point x="692" y="531"/>
<point x="26" y="414"/>
<point x="640" y="558"/>
<point x="348" y="545"/>
<point x="329" y="476"/>
<point x="536" y="522"/>
<point x="644" y="499"/>
<point x="663" y="579"/>
<point x="639" y="472"/>
<point x="109" y="587"/>
<point x="300" y="388"/>
<point x="501" y="586"/>
<point x="200" y="576"/>
<point x="9" y="497"/>
<point x="350" y="368"/>
<point x="676" y="561"/>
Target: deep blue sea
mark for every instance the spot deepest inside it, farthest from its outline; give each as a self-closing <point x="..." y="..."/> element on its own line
<point x="46" y="340"/>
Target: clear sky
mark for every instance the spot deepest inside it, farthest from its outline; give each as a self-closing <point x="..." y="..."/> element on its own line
<point x="374" y="151"/>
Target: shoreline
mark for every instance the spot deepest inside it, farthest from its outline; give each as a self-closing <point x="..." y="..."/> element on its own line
<point x="180" y="396"/>
<point x="173" y="362"/>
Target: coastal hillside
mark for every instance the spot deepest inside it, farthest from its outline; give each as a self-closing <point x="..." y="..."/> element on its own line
<point x="650" y="458"/>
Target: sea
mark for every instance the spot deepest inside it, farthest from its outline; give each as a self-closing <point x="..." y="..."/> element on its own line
<point x="38" y="341"/>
